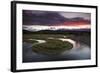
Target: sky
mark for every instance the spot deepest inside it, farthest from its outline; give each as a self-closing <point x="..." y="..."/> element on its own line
<point x="42" y="20"/>
<point x="86" y="16"/>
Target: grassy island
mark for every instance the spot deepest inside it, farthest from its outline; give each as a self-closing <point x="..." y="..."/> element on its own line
<point x="52" y="47"/>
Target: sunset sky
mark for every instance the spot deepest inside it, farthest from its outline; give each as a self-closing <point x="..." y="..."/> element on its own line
<point x="43" y="20"/>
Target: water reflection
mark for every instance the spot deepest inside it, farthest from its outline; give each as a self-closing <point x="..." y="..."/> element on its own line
<point x="79" y="51"/>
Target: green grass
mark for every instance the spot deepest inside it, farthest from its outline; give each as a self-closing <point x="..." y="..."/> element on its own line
<point x="43" y="36"/>
<point x="52" y="47"/>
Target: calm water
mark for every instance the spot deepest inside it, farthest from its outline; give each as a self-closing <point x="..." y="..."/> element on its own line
<point x="80" y="52"/>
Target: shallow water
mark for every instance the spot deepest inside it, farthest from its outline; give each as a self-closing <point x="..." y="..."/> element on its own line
<point x="80" y="51"/>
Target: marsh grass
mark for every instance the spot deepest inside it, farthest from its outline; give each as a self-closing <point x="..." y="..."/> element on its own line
<point x="52" y="47"/>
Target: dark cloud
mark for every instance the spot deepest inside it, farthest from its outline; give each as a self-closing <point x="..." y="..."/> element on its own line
<point x="31" y="17"/>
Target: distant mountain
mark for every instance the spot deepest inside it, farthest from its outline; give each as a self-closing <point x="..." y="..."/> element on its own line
<point x="76" y="32"/>
<point x="52" y="29"/>
<point x="35" y="28"/>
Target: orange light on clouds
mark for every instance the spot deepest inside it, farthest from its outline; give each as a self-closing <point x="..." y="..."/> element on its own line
<point x="83" y="26"/>
<point x="74" y="26"/>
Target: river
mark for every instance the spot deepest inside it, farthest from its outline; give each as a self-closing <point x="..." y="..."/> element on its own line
<point x="79" y="51"/>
